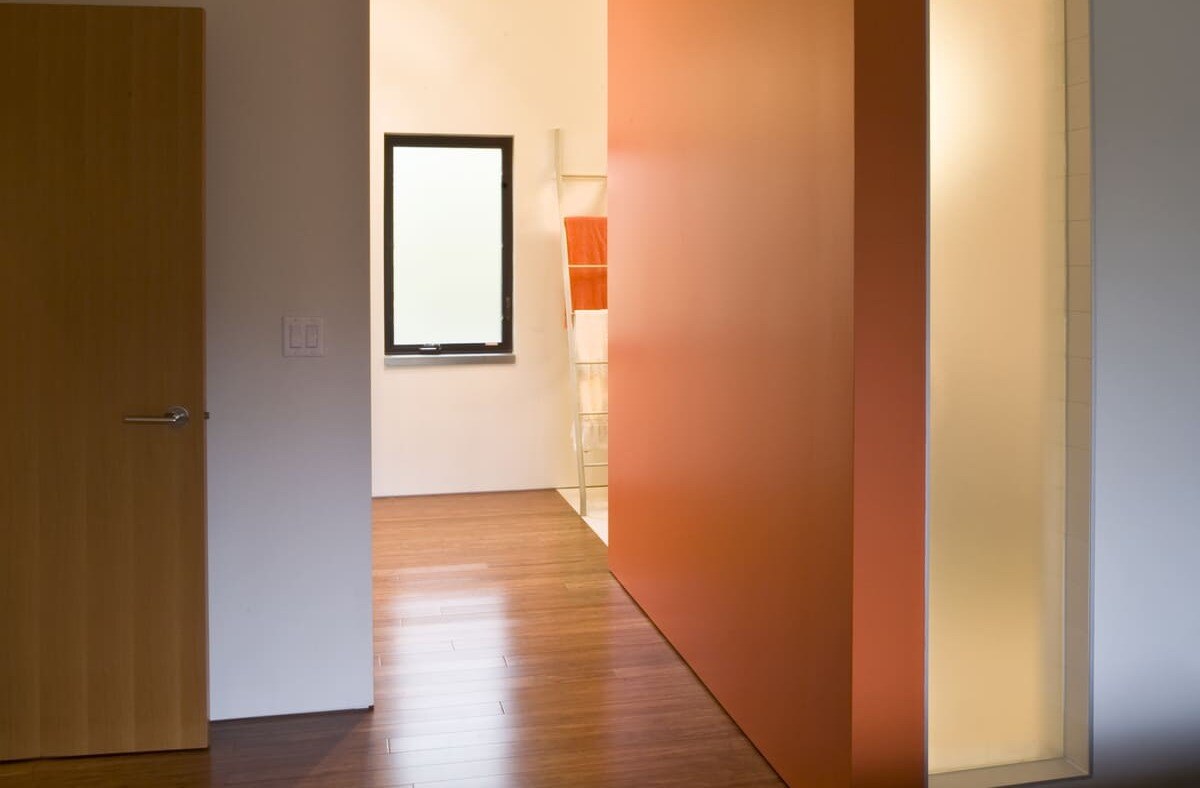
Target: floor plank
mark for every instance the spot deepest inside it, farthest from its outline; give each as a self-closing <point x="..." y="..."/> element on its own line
<point x="506" y="657"/>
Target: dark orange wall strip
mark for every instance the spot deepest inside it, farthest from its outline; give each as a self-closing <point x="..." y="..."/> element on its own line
<point x="889" y="393"/>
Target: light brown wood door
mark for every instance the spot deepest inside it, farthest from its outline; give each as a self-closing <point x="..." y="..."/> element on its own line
<point x="102" y="550"/>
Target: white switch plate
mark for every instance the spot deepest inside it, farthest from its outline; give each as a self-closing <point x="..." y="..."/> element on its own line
<point x="304" y="336"/>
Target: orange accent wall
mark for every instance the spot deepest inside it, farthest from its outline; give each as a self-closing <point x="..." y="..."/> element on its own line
<point x="756" y="493"/>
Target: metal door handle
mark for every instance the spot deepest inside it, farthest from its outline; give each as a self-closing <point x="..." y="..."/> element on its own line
<point x="176" y="416"/>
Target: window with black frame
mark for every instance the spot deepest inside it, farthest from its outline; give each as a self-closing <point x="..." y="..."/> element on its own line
<point x="448" y="247"/>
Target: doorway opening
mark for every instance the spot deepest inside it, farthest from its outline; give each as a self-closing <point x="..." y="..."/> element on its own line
<point x="535" y="415"/>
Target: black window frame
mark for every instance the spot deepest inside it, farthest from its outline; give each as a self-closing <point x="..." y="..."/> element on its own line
<point x="505" y="145"/>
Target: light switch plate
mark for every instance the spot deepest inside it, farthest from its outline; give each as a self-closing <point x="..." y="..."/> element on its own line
<point x="304" y="336"/>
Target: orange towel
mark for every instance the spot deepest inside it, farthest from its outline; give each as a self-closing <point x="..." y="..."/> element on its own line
<point x="587" y="244"/>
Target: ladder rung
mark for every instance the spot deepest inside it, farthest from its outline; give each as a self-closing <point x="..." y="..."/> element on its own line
<point x="589" y="363"/>
<point x="595" y="413"/>
<point x="595" y="465"/>
<point x="573" y="176"/>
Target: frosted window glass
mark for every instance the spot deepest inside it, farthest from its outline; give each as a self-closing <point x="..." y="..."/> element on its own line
<point x="447" y="246"/>
<point x="1005" y="667"/>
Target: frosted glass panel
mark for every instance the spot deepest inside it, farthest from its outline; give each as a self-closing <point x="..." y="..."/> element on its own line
<point x="447" y="245"/>
<point x="998" y="361"/>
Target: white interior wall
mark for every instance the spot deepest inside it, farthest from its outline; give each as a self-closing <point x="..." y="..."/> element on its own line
<point x="289" y="521"/>
<point x="521" y="68"/>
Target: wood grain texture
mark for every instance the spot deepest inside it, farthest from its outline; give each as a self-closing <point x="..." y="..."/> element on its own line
<point x="507" y="657"/>
<point x="102" y="586"/>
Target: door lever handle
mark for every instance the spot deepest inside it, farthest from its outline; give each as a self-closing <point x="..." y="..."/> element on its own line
<point x="176" y="416"/>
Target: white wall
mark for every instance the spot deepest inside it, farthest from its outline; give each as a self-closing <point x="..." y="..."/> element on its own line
<point x="519" y="67"/>
<point x="1147" y="422"/>
<point x="289" y="521"/>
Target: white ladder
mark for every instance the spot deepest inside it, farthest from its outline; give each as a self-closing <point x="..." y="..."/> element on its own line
<point x="562" y="179"/>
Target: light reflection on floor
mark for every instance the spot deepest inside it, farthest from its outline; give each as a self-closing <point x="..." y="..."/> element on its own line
<point x="506" y="656"/>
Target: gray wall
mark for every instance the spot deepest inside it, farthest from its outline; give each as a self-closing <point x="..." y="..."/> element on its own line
<point x="1147" y="420"/>
<point x="289" y="472"/>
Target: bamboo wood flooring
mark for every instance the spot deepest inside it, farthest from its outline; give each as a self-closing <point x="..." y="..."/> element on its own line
<point x="506" y="657"/>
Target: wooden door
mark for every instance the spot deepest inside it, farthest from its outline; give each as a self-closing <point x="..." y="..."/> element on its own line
<point x="102" y="550"/>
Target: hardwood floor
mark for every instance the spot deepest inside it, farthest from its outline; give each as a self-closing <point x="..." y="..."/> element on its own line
<point x="506" y="657"/>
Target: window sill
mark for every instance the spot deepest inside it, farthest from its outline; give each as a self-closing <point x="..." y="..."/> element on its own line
<point x="448" y="359"/>
<point x="1009" y="774"/>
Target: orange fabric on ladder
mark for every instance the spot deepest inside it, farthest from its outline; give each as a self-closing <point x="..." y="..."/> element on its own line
<point x="587" y="244"/>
